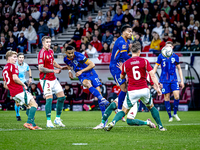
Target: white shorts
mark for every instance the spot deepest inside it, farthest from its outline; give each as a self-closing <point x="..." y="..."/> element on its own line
<point x="23" y="98"/>
<point x="133" y="96"/>
<point x="51" y="87"/>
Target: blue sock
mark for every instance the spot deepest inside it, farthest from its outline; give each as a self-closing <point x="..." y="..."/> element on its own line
<point x="96" y="93"/>
<point x="102" y="108"/>
<point x="168" y="108"/>
<point x="176" y="102"/>
<point x="121" y="98"/>
<point x="17" y="108"/>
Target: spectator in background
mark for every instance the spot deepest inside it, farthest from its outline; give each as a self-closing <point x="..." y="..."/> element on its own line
<point x="78" y="32"/>
<point x="162" y="14"/>
<point x="113" y="43"/>
<point x="7" y="9"/>
<point x="109" y="14"/>
<point x="88" y="36"/>
<point x="91" y="51"/>
<point x="2" y="49"/>
<point x="19" y="9"/>
<point x="166" y="7"/>
<point x="17" y="24"/>
<point x="165" y="39"/>
<point x="82" y="8"/>
<point x="116" y="5"/>
<point x="64" y="48"/>
<point x="146" y="38"/>
<point x="6" y="22"/>
<point x="37" y="95"/>
<point x="83" y="48"/>
<point x="187" y="48"/>
<point x="98" y="35"/>
<point x="136" y="27"/>
<point x="195" y="48"/>
<point x="158" y="29"/>
<point x="11" y="45"/>
<point x="44" y="17"/>
<point x="107" y="38"/>
<point x="175" y="18"/>
<point x="42" y="5"/>
<point x="97" y="44"/>
<point x="73" y="14"/>
<point x="100" y="16"/>
<point x="69" y="93"/>
<point x="106" y="48"/>
<point x="103" y="89"/>
<point x="184" y="17"/>
<point x="23" y="20"/>
<point x="138" y="15"/>
<point x="90" y="22"/>
<point x="176" y="38"/>
<point x="96" y="27"/>
<point x="22" y="42"/>
<point x="108" y="25"/>
<point x="155" y="43"/>
<point x="31" y="37"/>
<point x="42" y="31"/>
<point x="24" y="30"/>
<point x="5" y="31"/>
<point x="53" y="7"/>
<point x="46" y="9"/>
<point x="127" y="15"/>
<point x="118" y="16"/>
<point x="53" y="24"/>
<point x="117" y="29"/>
<point x="3" y="41"/>
<point x="35" y="13"/>
<point x="146" y="17"/>
<point x="195" y="35"/>
<point x="87" y="28"/>
<point x="56" y="48"/>
<point x="124" y="6"/>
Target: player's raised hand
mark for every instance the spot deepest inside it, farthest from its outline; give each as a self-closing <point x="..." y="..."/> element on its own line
<point x="57" y="71"/>
<point x="78" y="73"/>
<point x="119" y="65"/>
<point x="71" y="75"/>
<point x="182" y="85"/>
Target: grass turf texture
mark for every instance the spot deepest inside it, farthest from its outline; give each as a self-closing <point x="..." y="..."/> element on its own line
<point x="184" y="135"/>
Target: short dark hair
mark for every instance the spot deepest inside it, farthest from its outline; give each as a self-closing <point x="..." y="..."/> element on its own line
<point x="124" y="28"/>
<point x="19" y="54"/>
<point x="136" y="46"/>
<point x="69" y="48"/>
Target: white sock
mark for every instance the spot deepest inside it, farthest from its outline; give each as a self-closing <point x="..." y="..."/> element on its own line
<point x="48" y="121"/>
<point x="57" y="118"/>
<point x="147" y="122"/>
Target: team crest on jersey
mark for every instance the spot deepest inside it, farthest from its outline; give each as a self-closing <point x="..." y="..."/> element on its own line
<point x="75" y="62"/>
<point x="119" y="80"/>
<point x="48" y="90"/>
<point x="163" y="90"/>
<point x="123" y="46"/>
<point x="47" y="57"/>
<point x="40" y="61"/>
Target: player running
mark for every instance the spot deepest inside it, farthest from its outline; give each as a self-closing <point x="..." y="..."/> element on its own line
<point x="135" y="68"/>
<point x="86" y="74"/>
<point x="18" y="90"/>
<point x="49" y="82"/>
<point x="119" y="54"/>
<point x="23" y="68"/>
<point x="169" y="80"/>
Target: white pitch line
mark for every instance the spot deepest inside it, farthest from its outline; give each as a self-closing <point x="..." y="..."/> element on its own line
<point x="51" y="129"/>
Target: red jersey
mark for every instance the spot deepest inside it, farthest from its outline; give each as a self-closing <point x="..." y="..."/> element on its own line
<point x="136" y="68"/>
<point x="46" y="58"/>
<point x="8" y="72"/>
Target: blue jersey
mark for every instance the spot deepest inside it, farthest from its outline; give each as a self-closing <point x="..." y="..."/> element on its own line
<point x="119" y="52"/>
<point x="79" y="63"/>
<point x="22" y="71"/>
<point x="168" y="66"/>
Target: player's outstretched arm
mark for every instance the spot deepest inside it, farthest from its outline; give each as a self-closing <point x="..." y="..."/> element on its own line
<point x="155" y="68"/>
<point x="30" y="75"/>
<point x="181" y="75"/>
<point x="155" y="81"/>
<point x="17" y="80"/>
<point x="89" y="67"/>
<point x="46" y="70"/>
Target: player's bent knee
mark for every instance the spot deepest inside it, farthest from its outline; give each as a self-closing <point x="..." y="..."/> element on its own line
<point x="87" y="83"/>
<point x="176" y="97"/>
<point x="150" y="107"/>
<point x="33" y="103"/>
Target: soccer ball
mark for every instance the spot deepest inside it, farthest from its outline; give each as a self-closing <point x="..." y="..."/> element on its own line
<point x="167" y="51"/>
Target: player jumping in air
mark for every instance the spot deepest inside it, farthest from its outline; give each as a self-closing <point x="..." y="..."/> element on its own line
<point x="86" y="74"/>
<point x="18" y="90"/>
<point x="169" y="80"/>
<point x="119" y="54"/>
<point x="49" y="82"/>
<point x="135" y="68"/>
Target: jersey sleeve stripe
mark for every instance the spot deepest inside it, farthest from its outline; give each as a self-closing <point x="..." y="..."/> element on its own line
<point x="86" y="61"/>
<point x="157" y="64"/>
<point x="123" y="51"/>
<point x="116" y="53"/>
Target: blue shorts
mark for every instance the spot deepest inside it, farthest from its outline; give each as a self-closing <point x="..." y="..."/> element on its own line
<point x="170" y="87"/>
<point x="116" y="74"/>
<point x="93" y="78"/>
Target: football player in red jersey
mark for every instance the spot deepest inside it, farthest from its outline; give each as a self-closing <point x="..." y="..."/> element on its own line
<point x="18" y="89"/>
<point x="48" y="81"/>
<point x="136" y="68"/>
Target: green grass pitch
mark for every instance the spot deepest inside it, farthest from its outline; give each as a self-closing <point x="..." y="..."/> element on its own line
<point x="184" y="135"/>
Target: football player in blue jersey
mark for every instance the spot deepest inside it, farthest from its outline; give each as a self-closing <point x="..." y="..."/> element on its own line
<point x="23" y="69"/>
<point x="83" y="68"/>
<point x="119" y="55"/>
<point x="169" y="80"/>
